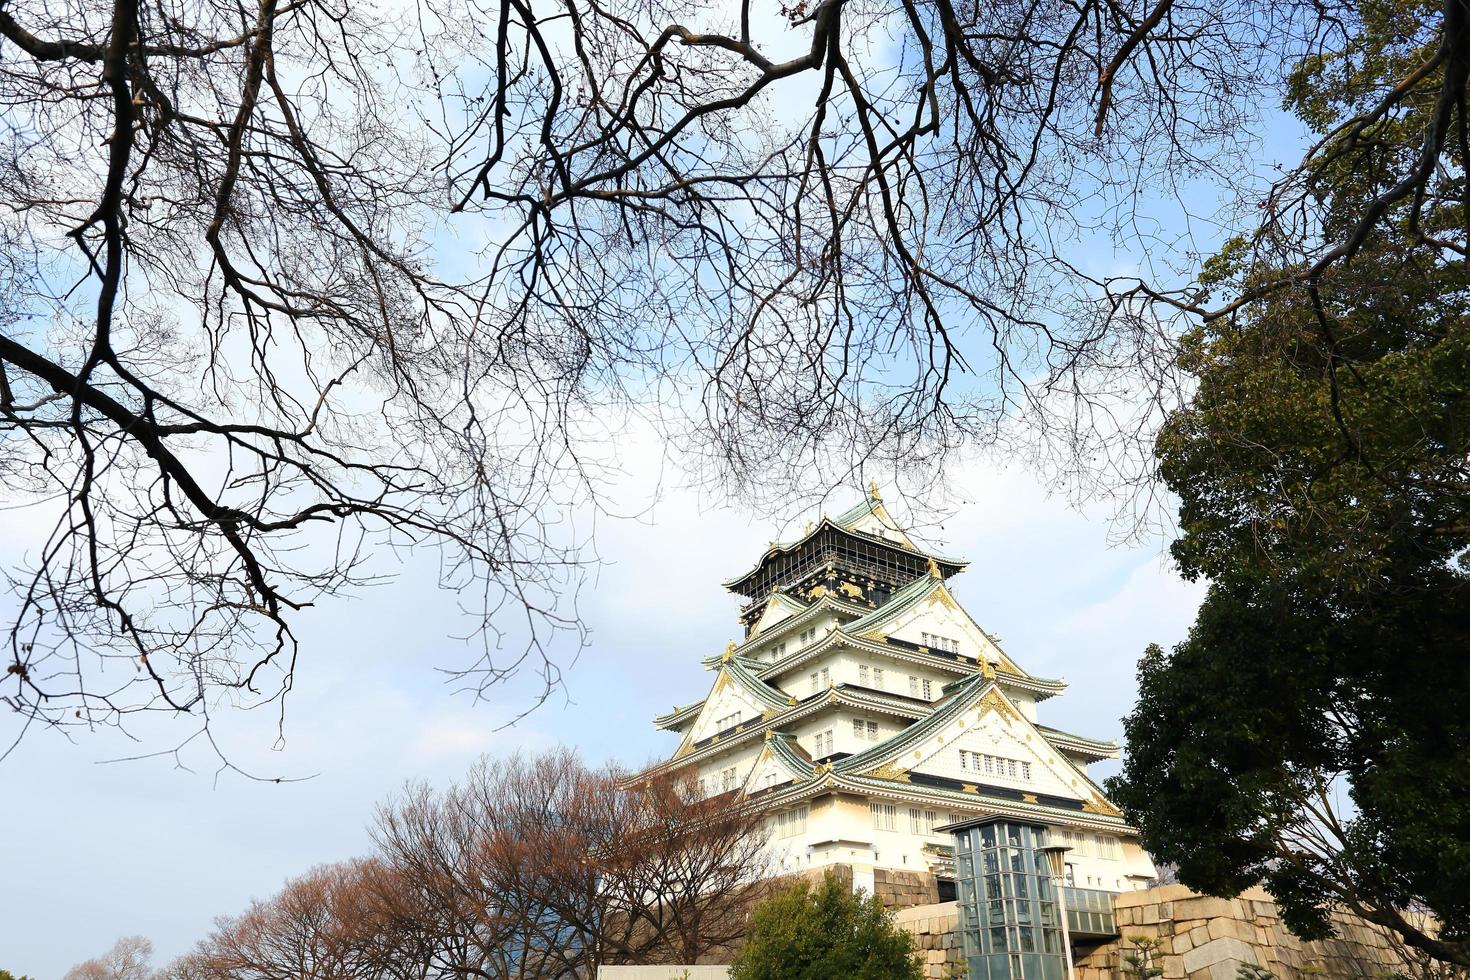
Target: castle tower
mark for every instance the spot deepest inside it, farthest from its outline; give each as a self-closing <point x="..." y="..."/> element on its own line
<point x="865" y="707"/>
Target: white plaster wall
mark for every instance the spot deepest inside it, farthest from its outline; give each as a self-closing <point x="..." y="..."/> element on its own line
<point x="840" y="830"/>
<point x="1024" y="702"/>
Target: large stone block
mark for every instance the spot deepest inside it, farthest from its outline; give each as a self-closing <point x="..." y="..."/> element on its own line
<point x="1216" y="951"/>
<point x="1205" y="907"/>
<point x="1232" y="928"/>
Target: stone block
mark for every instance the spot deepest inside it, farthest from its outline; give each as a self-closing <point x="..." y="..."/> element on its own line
<point x="1232" y="928"/>
<point x="1199" y="935"/>
<point x="1206" y="907"/>
<point x="1182" y="944"/>
<point x="1150" y="914"/>
<point x="1224" y="950"/>
<point x="1173" y="966"/>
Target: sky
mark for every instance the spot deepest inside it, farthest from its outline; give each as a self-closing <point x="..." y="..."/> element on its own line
<point x="99" y="850"/>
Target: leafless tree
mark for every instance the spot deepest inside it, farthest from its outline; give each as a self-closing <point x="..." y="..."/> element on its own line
<point x="244" y="350"/>
<point x="540" y="867"/>
<point x="126" y="960"/>
<point x="328" y="924"/>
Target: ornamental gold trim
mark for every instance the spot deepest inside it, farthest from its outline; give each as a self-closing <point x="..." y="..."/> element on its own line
<point x="941" y="596"/>
<point x="998" y="702"/>
<point x="891" y="772"/>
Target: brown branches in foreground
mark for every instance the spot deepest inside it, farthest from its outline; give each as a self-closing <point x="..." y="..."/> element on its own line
<point x="289" y="287"/>
<point x="532" y="868"/>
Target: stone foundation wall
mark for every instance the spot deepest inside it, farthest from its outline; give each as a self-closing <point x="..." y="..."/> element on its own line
<point x="1210" y="938"/>
<point x="904" y="889"/>
<point x="934" y="931"/>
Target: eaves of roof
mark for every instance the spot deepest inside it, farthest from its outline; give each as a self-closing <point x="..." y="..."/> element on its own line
<point x="1080" y="744"/>
<point x="957" y="564"/>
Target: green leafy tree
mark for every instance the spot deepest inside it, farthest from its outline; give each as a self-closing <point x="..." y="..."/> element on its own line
<point x="7" y="975"/>
<point x="1310" y="733"/>
<point x="824" y="932"/>
<point x="1138" y="962"/>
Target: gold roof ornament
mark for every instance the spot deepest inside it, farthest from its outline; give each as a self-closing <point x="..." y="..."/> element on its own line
<point x="873" y="493"/>
<point x="934" y="571"/>
<point x="729" y="652"/>
<point x="808" y="528"/>
<point x="890" y="771"/>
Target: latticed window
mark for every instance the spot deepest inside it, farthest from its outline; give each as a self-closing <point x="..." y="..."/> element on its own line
<point x="923" y="821"/>
<point x="885" y="815"/>
<point x="789" y="823"/>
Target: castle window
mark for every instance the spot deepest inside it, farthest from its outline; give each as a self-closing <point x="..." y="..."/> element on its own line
<point x="727" y="779"/>
<point x="824" y="743"/>
<point x="1109" y="848"/>
<point x="727" y="722"/>
<point x="865" y="729"/>
<point x="814" y="681"/>
<point x="964" y="759"/>
<point x="863" y="674"/>
<point x="789" y="823"/>
<point x="913" y="686"/>
<point x="878" y="678"/>
<point x="857" y="728"/>
<point x="872" y="731"/>
<point x="945" y="643"/>
<point x="923" y="821"/>
<point x="885" y="815"/>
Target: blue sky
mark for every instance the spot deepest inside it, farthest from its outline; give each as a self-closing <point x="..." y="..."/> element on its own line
<point x="145" y="847"/>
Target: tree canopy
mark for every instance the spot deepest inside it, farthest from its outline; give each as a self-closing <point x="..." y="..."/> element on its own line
<point x="824" y="931"/>
<point x="1309" y="733"/>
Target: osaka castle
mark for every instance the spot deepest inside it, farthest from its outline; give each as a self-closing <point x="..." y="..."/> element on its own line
<point x="864" y="708"/>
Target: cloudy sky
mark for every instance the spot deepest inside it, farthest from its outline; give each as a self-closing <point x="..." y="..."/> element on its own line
<point x="97" y="850"/>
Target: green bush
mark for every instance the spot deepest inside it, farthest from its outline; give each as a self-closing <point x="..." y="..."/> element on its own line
<point x="824" y="932"/>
